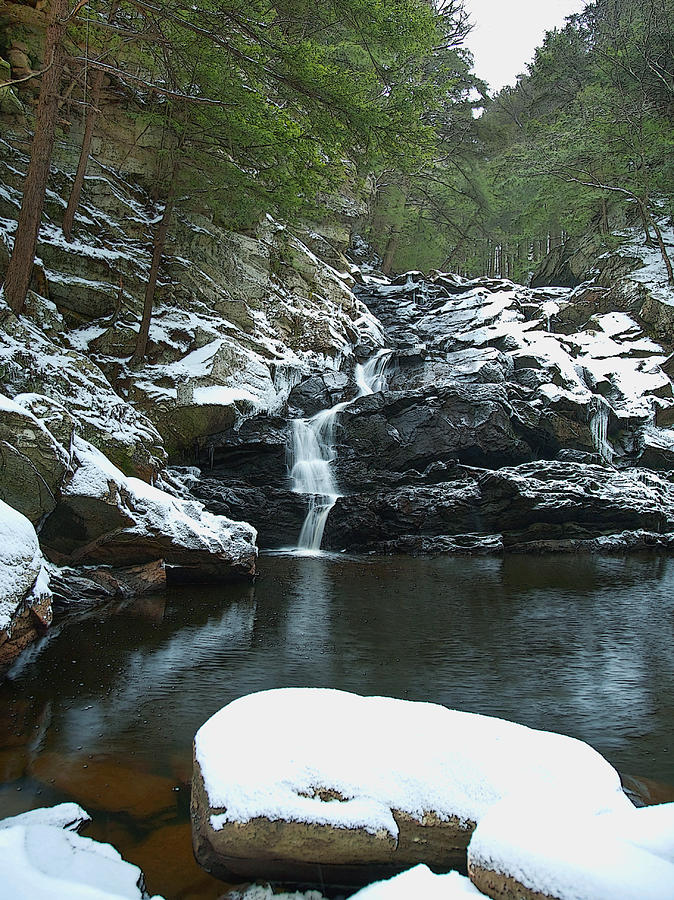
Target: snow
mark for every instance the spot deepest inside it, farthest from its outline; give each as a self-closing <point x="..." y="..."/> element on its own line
<point x="650" y="828"/>
<point x="555" y="844"/>
<point x="40" y="860"/>
<point x="420" y="882"/>
<point x="22" y="568"/>
<point x="653" y="272"/>
<point x="184" y="522"/>
<point x="380" y="754"/>
<point x="66" y="815"/>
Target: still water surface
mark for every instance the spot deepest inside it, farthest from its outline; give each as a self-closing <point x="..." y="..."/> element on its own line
<point x="104" y="711"/>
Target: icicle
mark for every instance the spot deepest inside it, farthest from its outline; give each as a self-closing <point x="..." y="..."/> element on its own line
<point x="599" y="419"/>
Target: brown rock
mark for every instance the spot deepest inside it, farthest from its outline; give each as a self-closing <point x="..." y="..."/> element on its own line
<point x="299" y="852"/>
<point x="502" y="887"/>
<point x="104" y="784"/>
<point x="646" y="792"/>
<point x="169" y="866"/>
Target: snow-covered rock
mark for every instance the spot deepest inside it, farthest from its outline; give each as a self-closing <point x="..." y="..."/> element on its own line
<point x="32" y="462"/>
<point x="351" y="782"/>
<point x="25" y="598"/>
<point x="548" y="846"/>
<point x="32" y="363"/>
<point x="420" y="882"/>
<point x="41" y="858"/>
<point x="104" y="517"/>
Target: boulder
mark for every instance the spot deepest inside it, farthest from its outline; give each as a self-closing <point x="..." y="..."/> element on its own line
<point x="103" y="517"/>
<point x="353" y="788"/>
<point x="552" y="847"/>
<point x="25" y="598"/>
<point x="32" y="462"/>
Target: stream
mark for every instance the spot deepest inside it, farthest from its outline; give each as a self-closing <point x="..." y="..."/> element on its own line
<point x="103" y="711"/>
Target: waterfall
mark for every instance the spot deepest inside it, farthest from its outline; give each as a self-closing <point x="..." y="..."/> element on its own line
<point x="371" y="376"/>
<point x="599" y="418"/>
<point x="312" y="454"/>
<point x="311" y="472"/>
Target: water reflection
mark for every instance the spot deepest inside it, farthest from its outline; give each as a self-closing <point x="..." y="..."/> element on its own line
<point x="580" y="645"/>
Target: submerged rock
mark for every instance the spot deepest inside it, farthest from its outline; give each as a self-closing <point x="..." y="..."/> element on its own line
<point x="371" y="786"/>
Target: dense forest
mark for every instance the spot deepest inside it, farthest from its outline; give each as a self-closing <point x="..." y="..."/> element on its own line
<point x="585" y="132"/>
<point x="289" y="101"/>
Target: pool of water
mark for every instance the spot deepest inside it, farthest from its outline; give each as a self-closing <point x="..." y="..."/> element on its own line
<point x="104" y="710"/>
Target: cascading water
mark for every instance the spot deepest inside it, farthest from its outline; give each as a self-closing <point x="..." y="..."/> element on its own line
<point x="312" y="454"/>
<point x="311" y="472"/>
<point x="371" y="376"/>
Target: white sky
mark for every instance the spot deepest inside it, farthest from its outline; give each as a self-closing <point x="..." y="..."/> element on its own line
<point x="507" y="32"/>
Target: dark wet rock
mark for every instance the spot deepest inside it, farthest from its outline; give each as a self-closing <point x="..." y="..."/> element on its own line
<point x="255" y="452"/>
<point x="320" y="392"/>
<point x="401" y="431"/>
<point x="276" y="513"/>
<point x="93" y="584"/>
<point x="527" y="506"/>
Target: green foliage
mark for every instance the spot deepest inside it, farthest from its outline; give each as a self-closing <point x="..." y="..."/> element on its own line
<point x="265" y="104"/>
<point x="589" y="127"/>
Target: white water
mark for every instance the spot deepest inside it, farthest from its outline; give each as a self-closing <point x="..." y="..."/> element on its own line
<point x="371" y="376"/>
<point x="312" y="455"/>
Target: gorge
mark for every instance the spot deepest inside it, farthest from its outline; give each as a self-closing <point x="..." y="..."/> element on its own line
<point x="336" y="454"/>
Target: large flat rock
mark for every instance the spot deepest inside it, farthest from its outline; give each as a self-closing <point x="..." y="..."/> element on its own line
<point x="318" y="785"/>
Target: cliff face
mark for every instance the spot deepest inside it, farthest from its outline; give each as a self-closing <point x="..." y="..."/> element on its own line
<point x="239" y="319"/>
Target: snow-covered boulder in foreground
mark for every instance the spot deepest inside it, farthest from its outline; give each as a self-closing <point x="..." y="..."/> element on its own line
<point x="551" y="847"/>
<point x="422" y="883"/>
<point x="103" y="517"/>
<point x="41" y="858"/>
<point x="311" y="784"/>
<point x="25" y="598"/>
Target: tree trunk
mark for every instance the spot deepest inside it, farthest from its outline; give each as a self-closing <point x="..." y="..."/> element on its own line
<point x="646" y="222"/>
<point x="390" y="251"/>
<point x="78" y="184"/>
<point x="20" y="269"/>
<point x="85" y="150"/>
<point x="157" y="252"/>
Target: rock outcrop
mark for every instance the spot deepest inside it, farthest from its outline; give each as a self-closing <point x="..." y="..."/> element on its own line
<point x="25" y="598"/>
<point x="505" y="418"/>
<point x="103" y="517"/>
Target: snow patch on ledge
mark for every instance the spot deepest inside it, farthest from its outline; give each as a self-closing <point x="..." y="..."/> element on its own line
<point x="420" y="882"/>
<point x="41" y="859"/>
